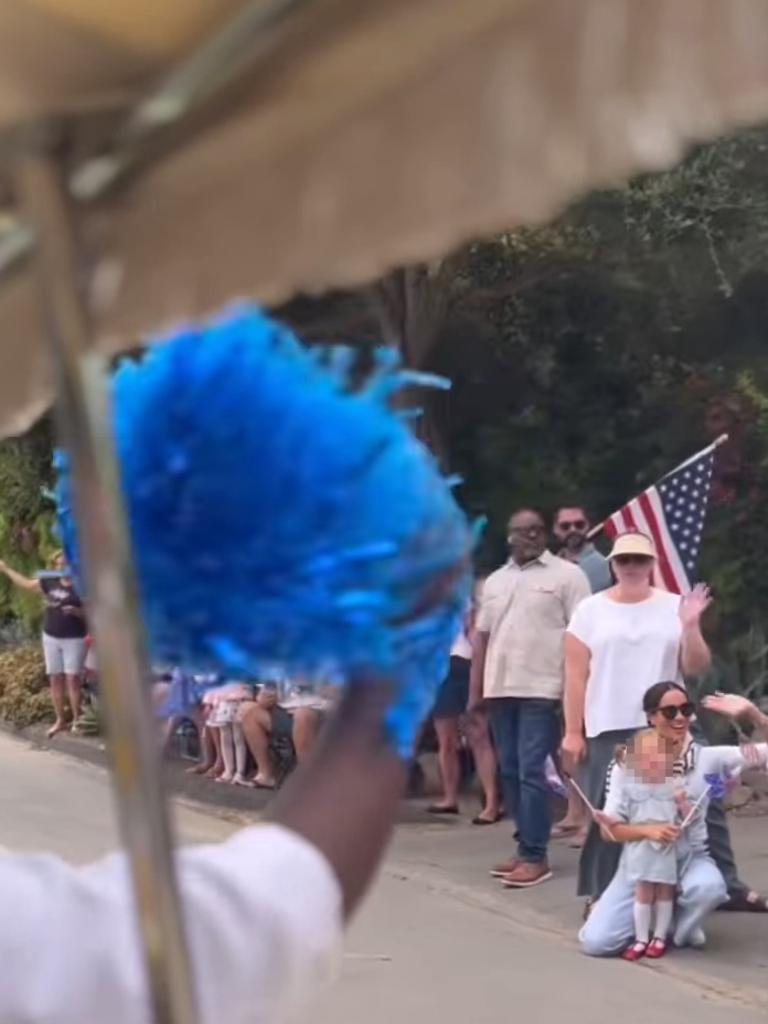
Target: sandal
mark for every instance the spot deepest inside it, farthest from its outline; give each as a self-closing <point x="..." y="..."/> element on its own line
<point x="656" y="948"/>
<point x="577" y="840"/>
<point x="487" y="821"/>
<point x="745" y="901"/>
<point x="442" y="809"/>
<point x="561" y="831"/>
<point x="635" y="952"/>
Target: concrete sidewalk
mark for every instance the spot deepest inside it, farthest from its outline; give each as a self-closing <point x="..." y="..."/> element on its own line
<point x="435" y="940"/>
<point x="450" y="858"/>
<point x="418" y="955"/>
<point x="453" y="858"/>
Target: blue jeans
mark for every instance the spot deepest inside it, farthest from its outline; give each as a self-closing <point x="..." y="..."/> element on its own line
<point x="526" y="731"/>
<point x="610" y="927"/>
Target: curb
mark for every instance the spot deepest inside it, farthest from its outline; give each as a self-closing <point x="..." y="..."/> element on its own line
<point x="231" y="803"/>
<point x="548" y="925"/>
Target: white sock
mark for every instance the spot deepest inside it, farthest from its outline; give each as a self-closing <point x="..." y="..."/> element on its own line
<point x="642" y="922"/>
<point x="227" y="750"/>
<point x="241" y="751"/>
<point x="664" y="911"/>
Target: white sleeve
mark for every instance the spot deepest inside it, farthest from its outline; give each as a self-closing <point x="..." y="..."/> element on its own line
<point x="729" y="760"/>
<point x="580" y="625"/>
<point x="488" y="604"/>
<point x="263" y="915"/>
<point x="615" y="805"/>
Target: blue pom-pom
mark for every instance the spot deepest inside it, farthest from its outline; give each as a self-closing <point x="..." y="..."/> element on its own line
<point x="281" y="516"/>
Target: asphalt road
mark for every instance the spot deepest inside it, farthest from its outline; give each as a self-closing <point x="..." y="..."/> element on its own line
<point x="422" y="949"/>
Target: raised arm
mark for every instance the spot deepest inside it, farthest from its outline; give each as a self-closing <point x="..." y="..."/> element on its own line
<point x="343" y="800"/>
<point x="695" y="656"/>
<point x="738" y="709"/>
<point x="19" y="580"/>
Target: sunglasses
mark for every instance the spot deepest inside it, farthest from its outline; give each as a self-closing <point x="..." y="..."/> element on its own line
<point x="526" y="531"/>
<point x="576" y="524"/>
<point x="632" y="559"/>
<point x="671" y="711"/>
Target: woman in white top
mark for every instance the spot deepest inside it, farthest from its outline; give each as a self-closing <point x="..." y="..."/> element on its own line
<point x="618" y="644"/>
<point x="702" y="772"/>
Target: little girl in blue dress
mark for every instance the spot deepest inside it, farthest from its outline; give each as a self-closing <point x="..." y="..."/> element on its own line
<point x="650" y="794"/>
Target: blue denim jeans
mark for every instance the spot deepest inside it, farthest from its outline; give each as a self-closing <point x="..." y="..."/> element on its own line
<point x="526" y="731"/>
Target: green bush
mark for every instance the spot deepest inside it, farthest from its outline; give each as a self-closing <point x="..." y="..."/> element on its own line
<point x="27" y="520"/>
<point x="24" y="697"/>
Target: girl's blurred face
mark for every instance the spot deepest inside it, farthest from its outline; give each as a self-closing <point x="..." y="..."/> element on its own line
<point x="650" y="758"/>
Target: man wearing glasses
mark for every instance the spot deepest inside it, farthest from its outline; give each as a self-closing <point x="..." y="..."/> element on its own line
<point x="517" y="672"/>
<point x="571" y="528"/>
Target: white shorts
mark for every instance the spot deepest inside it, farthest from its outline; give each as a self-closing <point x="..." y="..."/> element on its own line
<point x="63" y="656"/>
<point x="223" y="712"/>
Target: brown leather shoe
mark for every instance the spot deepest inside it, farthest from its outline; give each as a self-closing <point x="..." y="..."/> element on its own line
<point x="527" y="875"/>
<point x="502" y="870"/>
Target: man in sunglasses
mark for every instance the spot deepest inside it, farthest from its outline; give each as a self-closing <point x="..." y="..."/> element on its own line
<point x="571" y="528"/>
<point x="517" y="672"/>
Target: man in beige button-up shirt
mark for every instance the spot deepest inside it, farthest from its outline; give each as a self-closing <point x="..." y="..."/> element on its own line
<point x="517" y="668"/>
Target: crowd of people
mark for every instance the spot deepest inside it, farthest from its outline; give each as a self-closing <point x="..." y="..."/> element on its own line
<point x="580" y="659"/>
<point x="250" y="733"/>
<point x="569" y="663"/>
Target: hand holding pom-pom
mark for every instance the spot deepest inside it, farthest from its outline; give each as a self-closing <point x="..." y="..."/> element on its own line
<point x="280" y="517"/>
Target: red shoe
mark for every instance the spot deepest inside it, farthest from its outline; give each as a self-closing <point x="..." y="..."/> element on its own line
<point x="635" y="952"/>
<point x="656" y="949"/>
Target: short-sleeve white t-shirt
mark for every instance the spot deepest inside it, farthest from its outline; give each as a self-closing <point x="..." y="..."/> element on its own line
<point x="462" y="647"/>
<point x="264" y="927"/>
<point x="632" y="646"/>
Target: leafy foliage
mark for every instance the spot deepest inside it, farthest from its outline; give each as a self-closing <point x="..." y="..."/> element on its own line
<point x="26" y="519"/>
<point x="589" y="356"/>
<point x="24" y="697"/>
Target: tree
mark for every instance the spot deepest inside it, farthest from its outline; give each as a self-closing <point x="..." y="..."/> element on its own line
<point x="26" y="518"/>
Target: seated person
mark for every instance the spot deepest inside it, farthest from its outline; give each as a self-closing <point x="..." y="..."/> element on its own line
<point x="298" y="717"/>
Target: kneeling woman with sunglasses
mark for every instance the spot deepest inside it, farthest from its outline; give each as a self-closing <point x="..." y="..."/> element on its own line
<point x="618" y="644"/>
<point x="699" y="772"/>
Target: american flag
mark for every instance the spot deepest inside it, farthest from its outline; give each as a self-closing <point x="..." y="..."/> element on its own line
<point x="672" y="513"/>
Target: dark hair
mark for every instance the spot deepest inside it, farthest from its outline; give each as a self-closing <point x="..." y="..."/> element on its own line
<point x="653" y="695"/>
<point x="581" y="505"/>
<point x="533" y="511"/>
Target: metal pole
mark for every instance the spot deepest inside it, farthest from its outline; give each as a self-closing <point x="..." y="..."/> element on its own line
<point x="112" y="604"/>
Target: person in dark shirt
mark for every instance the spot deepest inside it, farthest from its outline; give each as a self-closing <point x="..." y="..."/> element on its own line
<point x="64" y="632"/>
